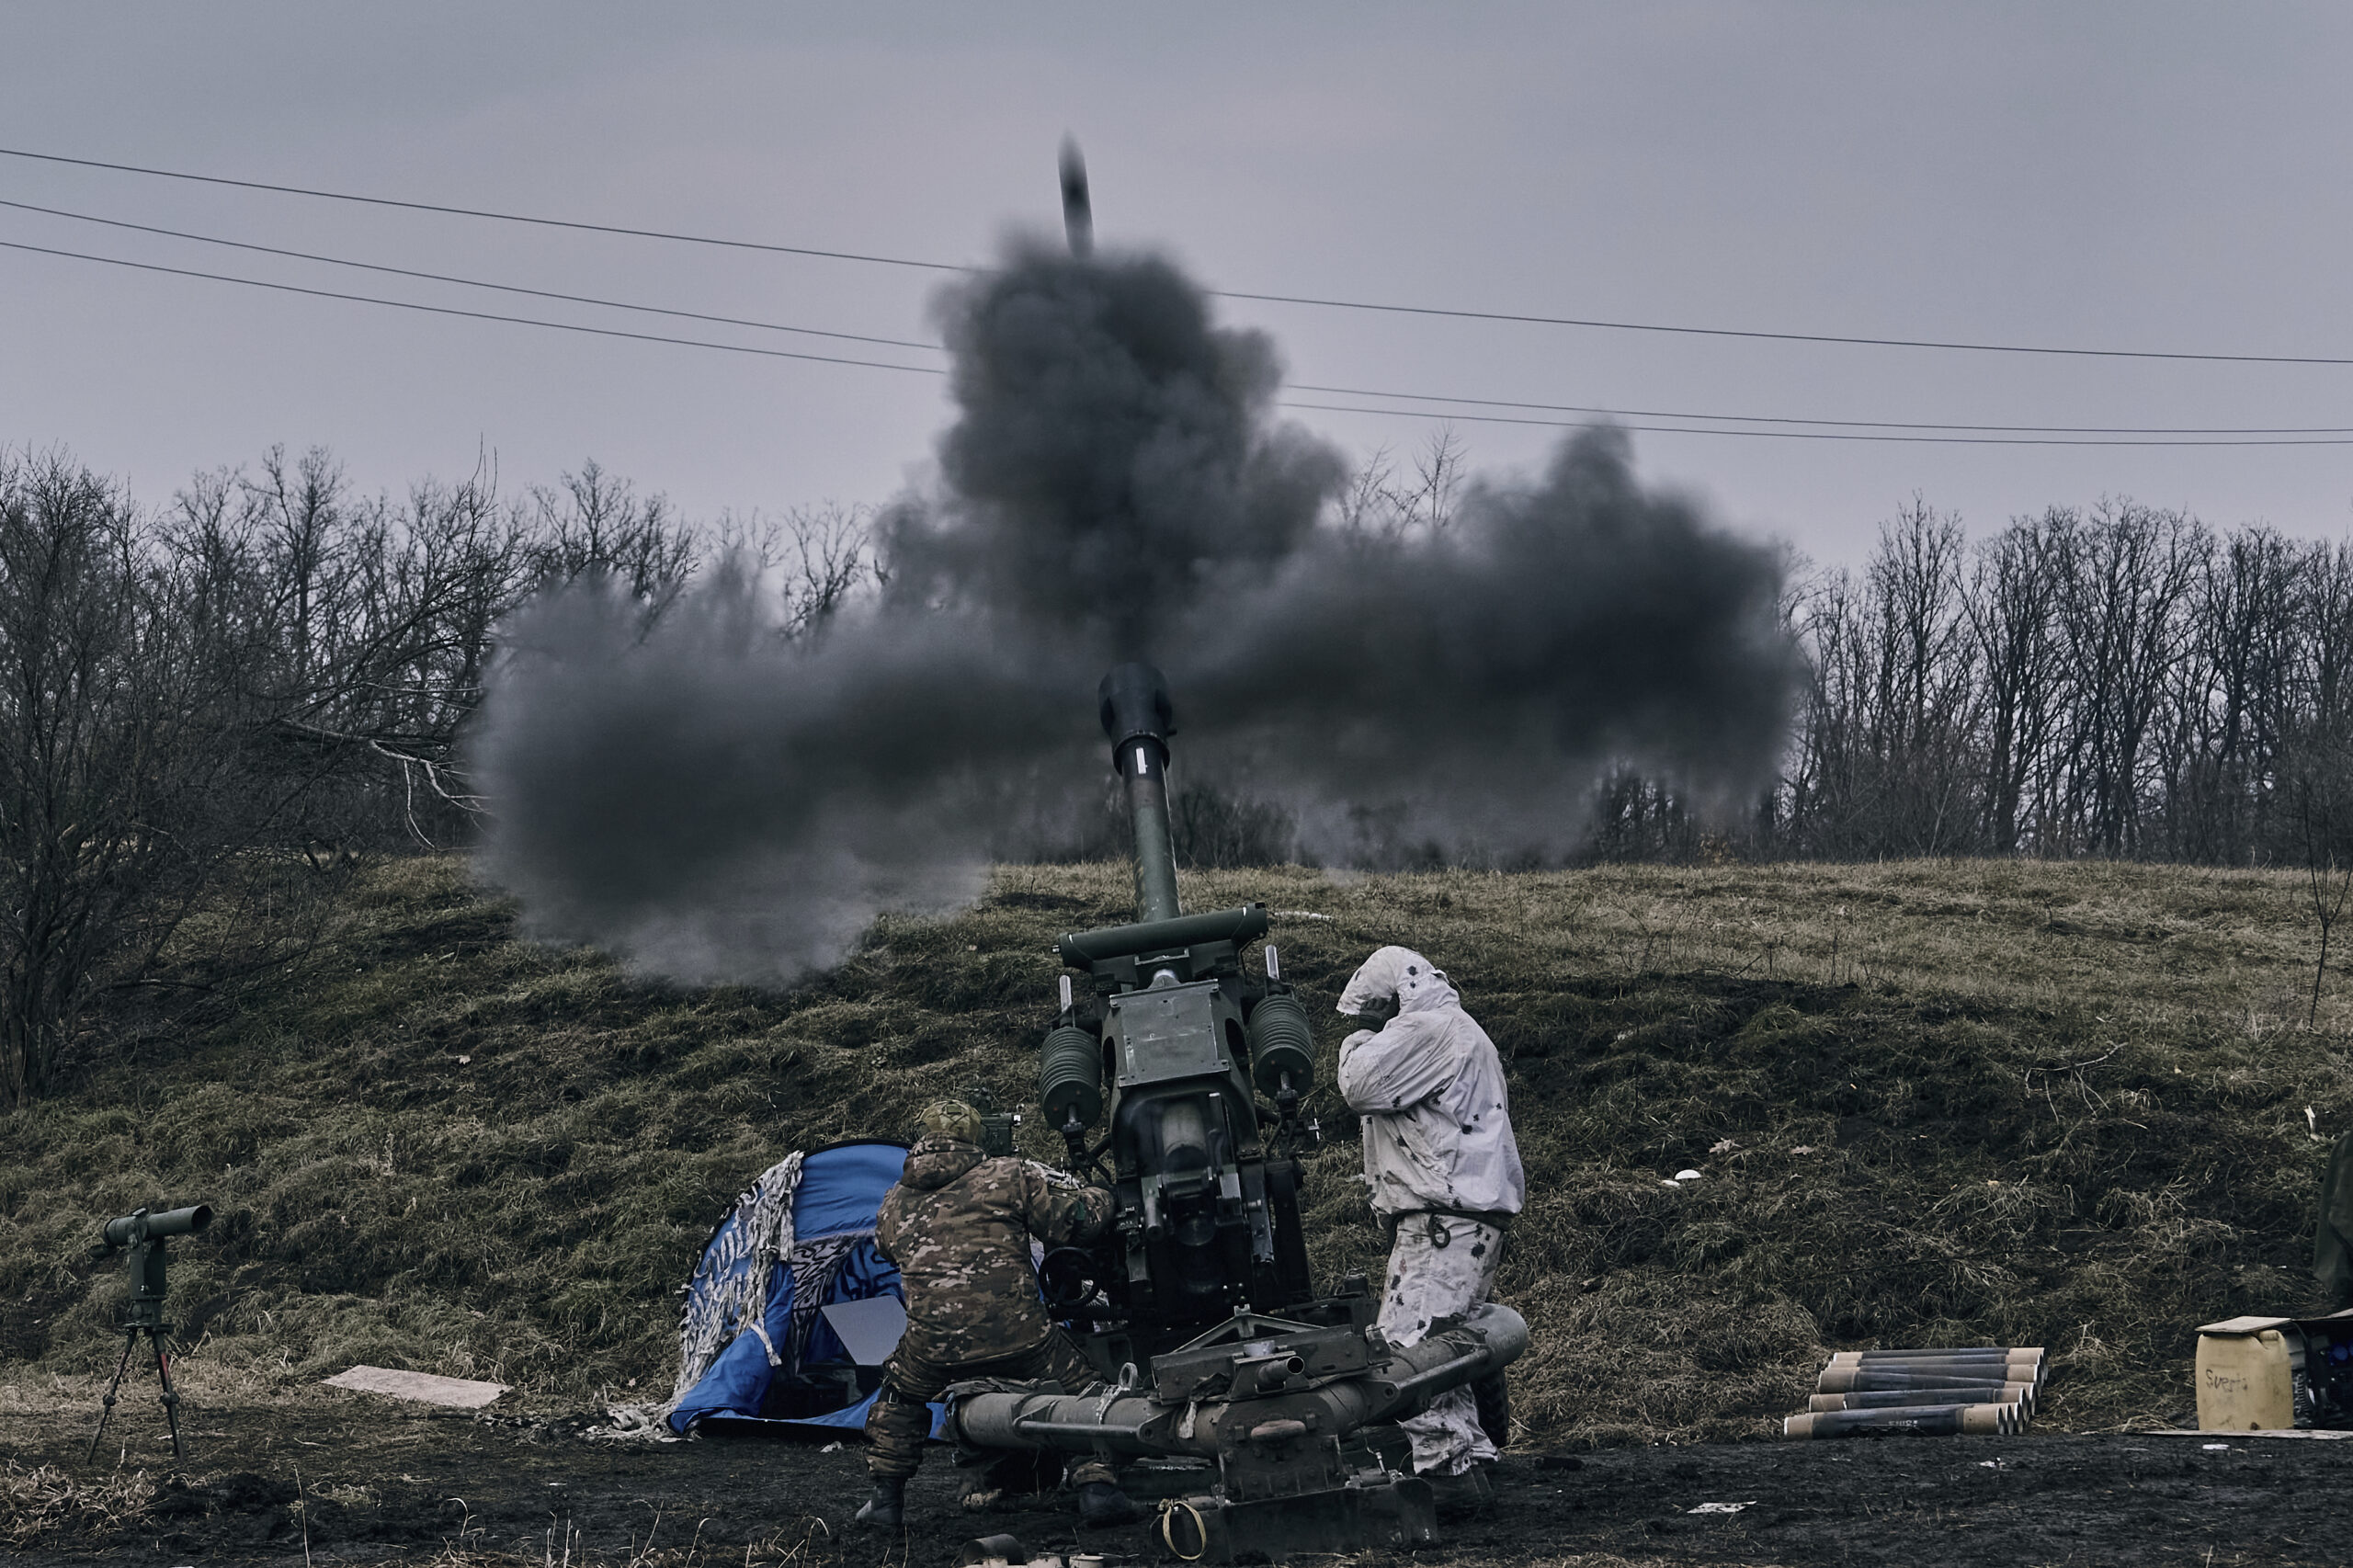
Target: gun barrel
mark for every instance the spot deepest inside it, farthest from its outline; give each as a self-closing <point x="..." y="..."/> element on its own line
<point x="1139" y="719"/>
<point x="1078" y="208"/>
<point x="1080" y="949"/>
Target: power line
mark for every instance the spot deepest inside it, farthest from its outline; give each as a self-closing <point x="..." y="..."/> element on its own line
<point x="481" y="212"/>
<point x="1951" y="344"/>
<point x="468" y="282"/>
<point x="1447" y="313"/>
<point x="501" y="217"/>
<point x="935" y="370"/>
<point x="474" y="315"/>
<point x="1845" y="424"/>
<point x="1843" y="434"/>
<point x="1597" y="410"/>
<point x="1832" y="435"/>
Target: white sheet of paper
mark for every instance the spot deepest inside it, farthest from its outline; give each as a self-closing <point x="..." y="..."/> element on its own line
<point x="869" y="1329"/>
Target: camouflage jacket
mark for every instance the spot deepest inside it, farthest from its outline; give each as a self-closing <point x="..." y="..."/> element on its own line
<point x="958" y="1228"/>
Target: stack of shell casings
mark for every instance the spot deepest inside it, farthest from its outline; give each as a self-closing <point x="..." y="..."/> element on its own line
<point x="1984" y="1390"/>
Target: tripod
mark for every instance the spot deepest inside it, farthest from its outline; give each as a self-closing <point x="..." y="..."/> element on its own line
<point x="143" y="1236"/>
<point x="158" y="1335"/>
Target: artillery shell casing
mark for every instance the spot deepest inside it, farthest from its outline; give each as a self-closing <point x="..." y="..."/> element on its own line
<point x="1960" y="1365"/>
<point x="1861" y="1380"/>
<point x="1973" y="1352"/>
<point x="2012" y="1358"/>
<point x="1918" y="1421"/>
<point x="1951" y="1371"/>
<point x="2021" y="1394"/>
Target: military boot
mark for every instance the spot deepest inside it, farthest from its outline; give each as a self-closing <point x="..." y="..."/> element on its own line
<point x="1102" y="1503"/>
<point x="888" y="1506"/>
<point x="1461" y="1496"/>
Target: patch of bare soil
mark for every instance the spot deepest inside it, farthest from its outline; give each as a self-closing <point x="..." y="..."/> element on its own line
<point x="382" y="1484"/>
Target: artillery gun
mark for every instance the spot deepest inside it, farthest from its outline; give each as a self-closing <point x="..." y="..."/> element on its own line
<point x="1197" y="1072"/>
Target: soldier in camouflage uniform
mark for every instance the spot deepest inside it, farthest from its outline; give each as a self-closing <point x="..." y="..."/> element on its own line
<point x="958" y="1226"/>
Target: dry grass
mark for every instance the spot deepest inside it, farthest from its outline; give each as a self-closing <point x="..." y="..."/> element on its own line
<point x="666" y="1543"/>
<point x="42" y="1503"/>
<point x="1934" y="1102"/>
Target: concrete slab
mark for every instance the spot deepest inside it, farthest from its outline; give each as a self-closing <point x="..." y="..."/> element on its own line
<point x="460" y="1393"/>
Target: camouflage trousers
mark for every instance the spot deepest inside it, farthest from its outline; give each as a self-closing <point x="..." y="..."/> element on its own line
<point x="900" y="1419"/>
<point x="1440" y="1265"/>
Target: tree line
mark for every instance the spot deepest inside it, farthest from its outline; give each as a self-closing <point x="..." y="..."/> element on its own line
<point x="2119" y="681"/>
<point x="271" y="675"/>
<point x="234" y="695"/>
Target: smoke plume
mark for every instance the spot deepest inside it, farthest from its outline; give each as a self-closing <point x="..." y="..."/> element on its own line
<point x="1113" y="466"/>
<point x="716" y="802"/>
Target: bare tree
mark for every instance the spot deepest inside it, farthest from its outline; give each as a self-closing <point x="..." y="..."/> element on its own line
<point x="355" y="632"/>
<point x="1828" y="779"/>
<point x="1378" y="503"/>
<point x="300" y="516"/>
<point x="120" y="755"/>
<point x="2011" y="605"/>
<point x="2235" y="695"/>
<point x="1924" y="683"/>
<point x="2126" y="577"/>
<point x="1438" y="482"/>
<point x="591" y="524"/>
<point x="1885" y="763"/>
<point x="829" y="557"/>
<point x="1363" y="504"/>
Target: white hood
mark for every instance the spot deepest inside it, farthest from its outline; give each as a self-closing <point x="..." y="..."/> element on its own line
<point x="1401" y="972"/>
<point x="1430" y="1089"/>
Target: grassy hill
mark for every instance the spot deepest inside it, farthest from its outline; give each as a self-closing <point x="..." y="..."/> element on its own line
<point x="1948" y="1102"/>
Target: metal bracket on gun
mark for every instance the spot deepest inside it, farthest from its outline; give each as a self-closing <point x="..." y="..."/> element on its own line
<point x="1120" y="1386"/>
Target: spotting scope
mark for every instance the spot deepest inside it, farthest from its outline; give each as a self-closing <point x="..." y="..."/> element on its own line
<point x="138" y="1226"/>
<point x="144" y="1232"/>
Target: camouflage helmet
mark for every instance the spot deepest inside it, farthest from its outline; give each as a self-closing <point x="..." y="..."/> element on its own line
<point x="950" y="1121"/>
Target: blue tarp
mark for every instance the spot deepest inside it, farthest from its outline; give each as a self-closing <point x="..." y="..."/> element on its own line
<point x="840" y="1190"/>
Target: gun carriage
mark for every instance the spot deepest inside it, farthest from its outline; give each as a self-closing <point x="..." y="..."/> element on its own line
<point x="1197" y="1072"/>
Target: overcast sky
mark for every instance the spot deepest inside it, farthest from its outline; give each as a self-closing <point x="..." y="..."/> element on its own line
<point x="2128" y="175"/>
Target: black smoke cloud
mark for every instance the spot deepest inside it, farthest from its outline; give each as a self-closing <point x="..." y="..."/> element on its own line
<point x="1463" y="687"/>
<point x="1113" y="466"/>
<point x="715" y="803"/>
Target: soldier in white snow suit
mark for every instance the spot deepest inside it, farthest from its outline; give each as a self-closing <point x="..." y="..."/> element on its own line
<point x="1443" y="1170"/>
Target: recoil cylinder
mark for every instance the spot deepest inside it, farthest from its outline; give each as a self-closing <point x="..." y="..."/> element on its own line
<point x="1282" y="1044"/>
<point x="1069" y="1077"/>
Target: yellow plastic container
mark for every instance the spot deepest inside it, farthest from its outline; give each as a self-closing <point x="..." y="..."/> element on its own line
<point x="2246" y="1375"/>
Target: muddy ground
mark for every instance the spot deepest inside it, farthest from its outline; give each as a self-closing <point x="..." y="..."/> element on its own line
<point x="384" y="1483"/>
